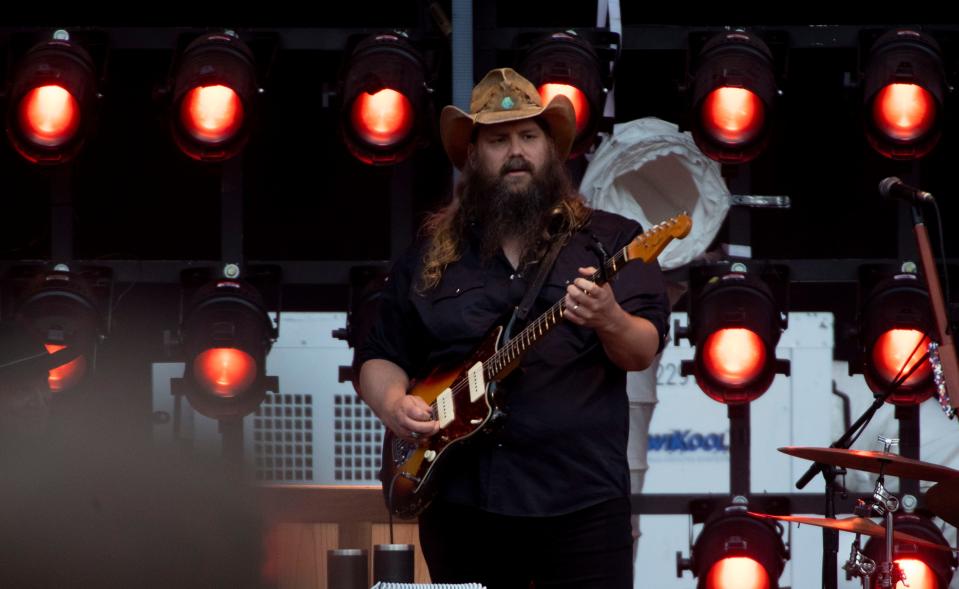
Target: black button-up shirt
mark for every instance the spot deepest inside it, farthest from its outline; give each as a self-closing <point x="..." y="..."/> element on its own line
<point x="562" y="446"/>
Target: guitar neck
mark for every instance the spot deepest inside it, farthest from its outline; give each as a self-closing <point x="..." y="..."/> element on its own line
<point x="506" y="358"/>
<point x="644" y="247"/>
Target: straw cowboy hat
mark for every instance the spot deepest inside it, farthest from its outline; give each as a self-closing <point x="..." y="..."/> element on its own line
<point x="504" y="96"/>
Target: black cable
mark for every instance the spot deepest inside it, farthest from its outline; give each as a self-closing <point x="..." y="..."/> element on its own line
<point x="389" y="500"/>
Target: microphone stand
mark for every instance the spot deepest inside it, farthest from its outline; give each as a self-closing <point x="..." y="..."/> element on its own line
<point x="947" y="347"/>
<point x="950" y="369"/>
<point x="40" y="363"/>
<point x="830" y="538"/>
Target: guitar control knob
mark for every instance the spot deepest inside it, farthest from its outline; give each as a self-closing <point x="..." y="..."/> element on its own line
<point x="429" y="455"/>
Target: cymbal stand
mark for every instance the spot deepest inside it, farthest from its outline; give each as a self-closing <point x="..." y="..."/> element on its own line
<point x="859" y="565"/>
<point x="885" y="504"/>
<point x="831" y="537"/>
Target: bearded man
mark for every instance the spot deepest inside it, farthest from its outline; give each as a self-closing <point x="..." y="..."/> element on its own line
<point x="544" y="498"/>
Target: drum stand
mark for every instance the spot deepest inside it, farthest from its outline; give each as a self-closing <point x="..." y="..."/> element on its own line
<point x="859" y="565"/>
<point x="884" y="504"/>
<point x="831" y="537"/>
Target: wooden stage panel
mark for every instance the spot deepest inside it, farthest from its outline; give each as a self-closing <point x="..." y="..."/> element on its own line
<point x="303" y="522"/>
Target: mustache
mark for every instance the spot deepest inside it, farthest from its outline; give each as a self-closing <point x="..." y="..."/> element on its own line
<point x="516" y="164"/>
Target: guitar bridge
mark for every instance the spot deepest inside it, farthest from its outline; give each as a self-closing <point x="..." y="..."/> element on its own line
<point x="402" y="450"/>
<point x="410" y="477"/>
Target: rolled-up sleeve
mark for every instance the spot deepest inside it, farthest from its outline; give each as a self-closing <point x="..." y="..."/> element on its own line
<point x="397" y="334"/>
<point x="641" y="290"/>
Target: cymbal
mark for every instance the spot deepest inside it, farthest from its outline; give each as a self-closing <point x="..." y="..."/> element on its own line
<point x="856" y="525"/>
<point x="944" y="502"/>
<point x="872" y="461"/>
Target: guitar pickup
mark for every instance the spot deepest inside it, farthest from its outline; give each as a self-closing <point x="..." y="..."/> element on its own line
<point x="477" y="382"/>
<point x="445" y="411"/>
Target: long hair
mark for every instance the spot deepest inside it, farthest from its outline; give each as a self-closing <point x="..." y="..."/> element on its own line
<point x="446" y="229"/>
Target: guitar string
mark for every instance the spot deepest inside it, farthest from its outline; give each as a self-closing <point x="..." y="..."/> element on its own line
<point x="501" y="355"/>
<point x="509" y="352"/>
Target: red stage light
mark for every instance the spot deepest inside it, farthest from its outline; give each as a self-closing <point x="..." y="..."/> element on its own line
<point x="52" y="98"/>
<point x="918" y="574"/>
<point x="575" y="95"/>
<point x="735" y="322"/>
<point x="733" y="116"/>
<point x="733" y="96"/>
<point x="735" y="551"/>
<point x="923" y="567"/>
<point x="226" y="335"/>
<point x="904" y="112"/>
<point x="66" y="376"/>
<point x="212" y="114"/>
<point x="904" y="88"/>
<point x="737" y="573"/>
<point x="734" y="356"/>
<point x="226" y="372"/>
<point x="49" y="116"/>
<point x="214" y="98"/>
<point x="382" y="119"/>
<point x="894" y="348"/>
<point x="385" y="97"/>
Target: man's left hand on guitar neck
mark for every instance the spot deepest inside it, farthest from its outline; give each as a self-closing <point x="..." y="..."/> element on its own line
<point x="630" y="342"/>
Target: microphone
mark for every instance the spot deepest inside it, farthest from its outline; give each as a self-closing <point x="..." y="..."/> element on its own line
<point x="893" y="187"/>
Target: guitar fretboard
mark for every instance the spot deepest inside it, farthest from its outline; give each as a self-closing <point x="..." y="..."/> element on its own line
<point x="499" y="363"/>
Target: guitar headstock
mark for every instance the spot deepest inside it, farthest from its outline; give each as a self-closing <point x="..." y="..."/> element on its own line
<point x="654" y="240"/>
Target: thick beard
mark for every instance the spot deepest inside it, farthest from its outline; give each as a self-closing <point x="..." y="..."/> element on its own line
<point x="502" y="213"/>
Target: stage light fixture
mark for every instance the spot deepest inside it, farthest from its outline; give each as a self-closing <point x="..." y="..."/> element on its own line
<point x="52" y="99"/>
<point x="925" y="568"/>
<point x="226" y="335"/>
<point x="566" y="63"/>
<point x="735" y="323"/>
<point x="214" y="92"/>
<point x="895" y="320"/>
<point x="733" y="96"/>
<point x="61" y="311"/>
<point x="737" y="551"/>
<point x="385" y="99"/>
<point x="904" y="87"/>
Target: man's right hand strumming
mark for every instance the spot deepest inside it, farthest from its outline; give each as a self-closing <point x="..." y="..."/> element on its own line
<point x="410" y="417"/>
<point x="383" y="386"/>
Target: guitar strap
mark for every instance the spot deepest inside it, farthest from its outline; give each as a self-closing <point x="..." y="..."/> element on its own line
<point x="546" y="264"/>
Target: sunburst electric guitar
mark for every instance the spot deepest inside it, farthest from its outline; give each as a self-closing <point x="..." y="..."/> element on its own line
<point x="461" y="399"/>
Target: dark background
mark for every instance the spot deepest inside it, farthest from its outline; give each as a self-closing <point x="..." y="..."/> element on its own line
<point x="143" y="207"/>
